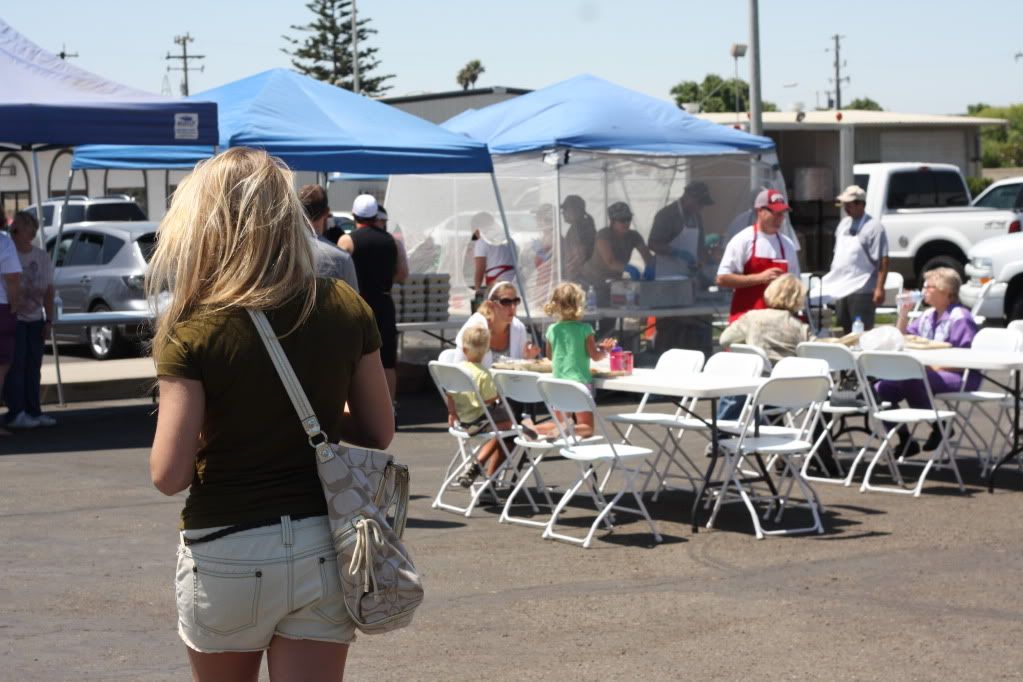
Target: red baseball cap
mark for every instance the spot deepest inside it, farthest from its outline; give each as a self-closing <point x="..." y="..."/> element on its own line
<point x="773" y="200"/>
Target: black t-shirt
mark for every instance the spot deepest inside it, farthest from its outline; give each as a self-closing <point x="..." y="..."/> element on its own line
<point x="375" y="257"/>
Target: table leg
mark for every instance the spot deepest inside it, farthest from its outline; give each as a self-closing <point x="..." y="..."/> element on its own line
<point x="1016" y="450"/>
<point x="710" y="467"/>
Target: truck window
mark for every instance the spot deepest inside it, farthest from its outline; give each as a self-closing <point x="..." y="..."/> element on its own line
<point x="1004" y="197"/>
<point x="115" y="212"/>
<point x="926" y="189"/>
<point x="863" y="181"/>
<point x="75" y="214"/>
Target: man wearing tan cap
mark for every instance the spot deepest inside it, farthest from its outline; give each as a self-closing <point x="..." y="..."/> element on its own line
<point x="860" y="263"/>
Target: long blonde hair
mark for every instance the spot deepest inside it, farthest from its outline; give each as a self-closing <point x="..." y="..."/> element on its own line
<point x="235" y="236"/>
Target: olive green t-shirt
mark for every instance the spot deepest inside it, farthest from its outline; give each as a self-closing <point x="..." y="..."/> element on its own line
<point x="255" y="462"/>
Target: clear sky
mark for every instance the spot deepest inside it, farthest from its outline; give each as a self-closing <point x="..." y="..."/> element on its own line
<point x="922" y="56"/>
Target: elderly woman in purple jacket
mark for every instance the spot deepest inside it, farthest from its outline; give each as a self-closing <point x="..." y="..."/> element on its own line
<point x="946" y="320"/>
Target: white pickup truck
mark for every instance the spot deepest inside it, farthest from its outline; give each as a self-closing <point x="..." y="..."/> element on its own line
<point x="996" y="274"/>
<point x="926" y="214"/>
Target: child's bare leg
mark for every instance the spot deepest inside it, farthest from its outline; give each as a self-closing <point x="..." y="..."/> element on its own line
<point x="583" y="424"/>
<point x="548" y="428"/>
<point x="491" y="456"/>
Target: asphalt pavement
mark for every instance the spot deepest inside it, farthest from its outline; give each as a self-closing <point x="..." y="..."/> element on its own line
<point x="898" y="588"/>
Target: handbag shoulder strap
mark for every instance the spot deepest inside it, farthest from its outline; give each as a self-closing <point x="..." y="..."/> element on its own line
<point x="310" y="424"/>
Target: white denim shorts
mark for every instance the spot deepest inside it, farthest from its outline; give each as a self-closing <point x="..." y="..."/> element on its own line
<point x="235" y="593"/>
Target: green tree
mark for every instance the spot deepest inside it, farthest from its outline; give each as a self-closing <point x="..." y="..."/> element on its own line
<point x="324" y="52"/>
<point x="715" y="94"/>
<point x="469" y="73"/>
<point x="1001" y="146"/>
<point x="864" y="103"/>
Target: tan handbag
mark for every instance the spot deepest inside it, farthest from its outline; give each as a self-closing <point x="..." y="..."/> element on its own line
<point x="380" y="584"/>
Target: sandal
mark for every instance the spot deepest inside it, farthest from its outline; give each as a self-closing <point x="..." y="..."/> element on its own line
<point x="469" y="476"/>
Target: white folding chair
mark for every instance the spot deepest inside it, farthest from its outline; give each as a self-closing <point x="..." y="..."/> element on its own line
<point x="522" y="387"/>
<point x="801" y="395"/>
<point x="627" y="460"/>
<point x="990" y="339"/>
<point x="1015" y="324"/>
<point x="753" y="350"/>
<point x="451" y="378"/>
<point x="840" y="361"/>
<point x="720" y="364"/>
<point x="896" y="366"/>
<point x="674" y="362"/>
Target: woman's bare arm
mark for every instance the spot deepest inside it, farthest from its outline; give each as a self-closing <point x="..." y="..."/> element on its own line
<point x="178" y="424"/>
<point x="369" y="418"/>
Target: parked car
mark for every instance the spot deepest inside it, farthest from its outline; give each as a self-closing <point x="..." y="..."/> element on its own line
<point x="82" y="208"/>
<point x="1004" y="194"/>
<point x="996" y="264"/>
<point x="926" y="213"/>
<point x="339" y="223"/>
<point x="101" y="267"/>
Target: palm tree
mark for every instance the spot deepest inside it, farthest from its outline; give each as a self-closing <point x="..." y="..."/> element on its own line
<point x="469" y="73"/>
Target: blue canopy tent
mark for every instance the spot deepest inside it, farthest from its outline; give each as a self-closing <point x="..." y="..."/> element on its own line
<point x="600" y="142"/>
<point x="47" y="103"/>
<point x="312" y="126"/>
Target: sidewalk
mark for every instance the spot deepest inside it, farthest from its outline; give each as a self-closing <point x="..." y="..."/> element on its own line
<point x="95" y="380"/>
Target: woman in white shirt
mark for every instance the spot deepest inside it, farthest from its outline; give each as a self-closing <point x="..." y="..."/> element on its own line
<point x="508" y="335"/>
<point x="10" y="279"/>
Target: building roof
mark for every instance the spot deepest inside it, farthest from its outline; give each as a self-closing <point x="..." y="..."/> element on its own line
<point x="452" y="94"/>
<point x="827" y="120"/>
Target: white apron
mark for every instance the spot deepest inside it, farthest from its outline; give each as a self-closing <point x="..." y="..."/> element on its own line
<point x="851" y="268"/>
<point x="687" y="240"/>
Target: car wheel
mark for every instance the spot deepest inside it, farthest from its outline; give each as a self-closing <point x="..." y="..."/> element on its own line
<point x="105" y="340"/>
<point x="942" y="262"/>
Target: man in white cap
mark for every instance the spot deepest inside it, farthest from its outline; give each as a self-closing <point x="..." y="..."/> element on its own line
<point x="860" y="262"/>
<point x="379" y="263"/>
<point x="758" y="255"/>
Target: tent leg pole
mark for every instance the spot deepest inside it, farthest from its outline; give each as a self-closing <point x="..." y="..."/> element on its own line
<point x="515" y="258"/>
<point x="57" y="303"/>
<point x="39" y="196"/>
<point x="558" y="273"/>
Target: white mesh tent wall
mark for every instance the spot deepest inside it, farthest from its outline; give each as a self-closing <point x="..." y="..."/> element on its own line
<point x="433" y="212"/>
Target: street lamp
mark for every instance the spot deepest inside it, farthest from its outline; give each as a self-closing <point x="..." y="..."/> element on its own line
<point x="738" y="50"/>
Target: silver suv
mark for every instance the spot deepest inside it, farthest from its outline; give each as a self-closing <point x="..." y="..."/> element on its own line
<point x="81" y="208"/>
<point x="102" y="267"/>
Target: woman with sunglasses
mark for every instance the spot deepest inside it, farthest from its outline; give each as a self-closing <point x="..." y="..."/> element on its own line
<point x="508" y="335"/>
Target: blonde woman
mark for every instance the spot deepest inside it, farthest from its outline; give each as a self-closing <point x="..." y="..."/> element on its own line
<point x="256" y="567"/>
<point x="777" y="328"/>
<point x="508" y="335"/>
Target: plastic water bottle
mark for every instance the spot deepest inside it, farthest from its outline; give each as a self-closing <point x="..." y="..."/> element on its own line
<point x="591" y="300"/>
<point x="857" y="325"/>
<point x="58" y="307"/>
<point x="631" y="298"/>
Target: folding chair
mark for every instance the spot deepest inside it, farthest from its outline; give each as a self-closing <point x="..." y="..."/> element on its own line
<point x="752" y="350"/>
<point x="570" y="396"/>
<point x="672" y="363"/>
<point x="522" y="387"/>
<point x="1015" y="324"/>
<point x="451" y="378"/>
<point x="802" y="395"/>
<point x="721" y="364"/>
<point x="901" y="367"/>
<point x="840" y="360"/>
<point x="988" y="339"/>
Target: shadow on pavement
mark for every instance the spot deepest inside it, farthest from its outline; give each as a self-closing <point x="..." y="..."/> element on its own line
<point x="108" y="427"/>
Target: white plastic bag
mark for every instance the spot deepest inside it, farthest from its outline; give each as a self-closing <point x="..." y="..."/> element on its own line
<point x="882" y="338"/>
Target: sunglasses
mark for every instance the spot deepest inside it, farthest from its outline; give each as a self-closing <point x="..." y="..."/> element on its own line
<point x="508" y="301"/>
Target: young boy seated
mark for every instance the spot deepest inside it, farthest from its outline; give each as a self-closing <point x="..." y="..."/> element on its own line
<point x="465" y="410"/>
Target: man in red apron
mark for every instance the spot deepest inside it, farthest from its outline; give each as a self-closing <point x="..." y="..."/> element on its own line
<point x="757" y="255"/>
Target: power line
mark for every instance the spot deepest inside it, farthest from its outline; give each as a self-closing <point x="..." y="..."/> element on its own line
<point x="183" y="41"/>
<point x="839" y="78"/>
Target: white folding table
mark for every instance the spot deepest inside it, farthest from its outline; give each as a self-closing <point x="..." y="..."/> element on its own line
<point x="700" y="386"/>
<point x="984" y="362"/>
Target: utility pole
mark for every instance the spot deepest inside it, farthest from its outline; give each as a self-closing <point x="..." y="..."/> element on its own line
<point x="64" y="54"/>
<point x="355" y="51"/>
<point x="756" y="119"/>
<point x="183" y="41"/>
<point x="839" y="78"/>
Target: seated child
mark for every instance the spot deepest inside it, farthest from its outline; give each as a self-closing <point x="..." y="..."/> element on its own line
<point x="570" y="346"/>
<point x="465" y="410"/>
